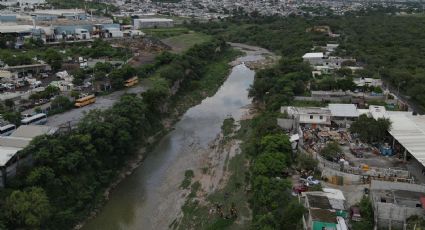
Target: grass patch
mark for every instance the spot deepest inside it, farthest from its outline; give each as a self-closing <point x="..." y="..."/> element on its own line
<point x="228" y="126"/>
<point x="232" y="195"/>
<point x="162" y="33"/>
<point x="204" y="170"/>
<point x="183" y="41"/>
<point x="188" y="175"/>
<point x="309" y="103"/>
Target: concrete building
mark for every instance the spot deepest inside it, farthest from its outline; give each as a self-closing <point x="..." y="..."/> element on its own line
<point x="11" y="145"/>
<point x="331" y="47"/>
<point x="313" y="117"/>
<point x="314" y="58"/>
<point x="53" y="14"/>
<point x="326" y="210"/>
<point x="395" y="202"/>
<point x="366" y="81"/>
<point x="142" y="23"/>
<point x="343" y="114"/>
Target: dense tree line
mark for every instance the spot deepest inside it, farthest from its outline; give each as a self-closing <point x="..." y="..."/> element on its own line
<point x="388" y="46"/>
<point x="71" y="170"/>
<point x="371" y="130"/>
<point x="271" y="201"/>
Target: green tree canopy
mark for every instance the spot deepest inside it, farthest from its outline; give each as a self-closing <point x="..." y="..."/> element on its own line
<point x="371" y="130"/>
<point x="28" y="209"/>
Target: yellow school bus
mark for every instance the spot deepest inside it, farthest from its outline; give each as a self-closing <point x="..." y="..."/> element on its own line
<point x="80" y="102"/>
<point x="132" y="81"/>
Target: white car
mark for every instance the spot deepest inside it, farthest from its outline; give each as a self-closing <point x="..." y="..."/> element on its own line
<point x="310" y="181"/>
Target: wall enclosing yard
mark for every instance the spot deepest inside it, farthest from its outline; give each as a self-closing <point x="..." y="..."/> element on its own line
<point x="339" y="174"/>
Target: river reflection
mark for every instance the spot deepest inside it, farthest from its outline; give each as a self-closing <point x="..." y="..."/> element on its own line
<point x="150" y="198"/>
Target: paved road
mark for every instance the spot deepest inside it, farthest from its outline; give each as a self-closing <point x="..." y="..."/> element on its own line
<point x="403" y="98"/>
<point x="102" y="102"/>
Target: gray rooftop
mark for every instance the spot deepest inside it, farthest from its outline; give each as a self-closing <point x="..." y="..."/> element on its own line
<point x="343" y="110"/>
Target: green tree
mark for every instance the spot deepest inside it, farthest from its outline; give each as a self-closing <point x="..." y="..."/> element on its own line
<point x="27" y="209"/>
<point x="331" y="150"/>
<point x="13" y="117"/>
<point x="366" y="211"/>
<point x="275" y="143"/>
<point x="9" y="103"/>
<point x="53" y="58"/>
<point x="371" y="130"/>
<point x="62" y="103"/>
<point x="270" y="164"/>
<point x="306" y="162"/>
<point x="79" y="76"/>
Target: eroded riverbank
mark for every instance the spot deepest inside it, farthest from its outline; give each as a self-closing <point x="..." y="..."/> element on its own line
<point x="150" y="198"/>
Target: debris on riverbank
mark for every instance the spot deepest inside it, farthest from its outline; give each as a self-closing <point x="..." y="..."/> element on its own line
<point x="218" y="195"/>
<point x="259" y="58"/>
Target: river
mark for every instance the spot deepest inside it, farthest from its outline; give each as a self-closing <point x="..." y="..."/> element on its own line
<point x="150" y="198"/>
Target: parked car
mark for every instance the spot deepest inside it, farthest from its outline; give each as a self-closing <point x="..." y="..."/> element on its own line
<point x="9" y="86"/>
<point x="298" y="189"/>
<point x="36" y="84"/>
<point x="310" y="181"/>
<point x="355" y="213"/>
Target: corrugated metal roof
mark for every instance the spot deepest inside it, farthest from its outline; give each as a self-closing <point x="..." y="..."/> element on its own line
<point x="409" y="131"/>
<point x="15" y="142"/>
<point x="6" y="153"/>
<point x="31" y="131"/>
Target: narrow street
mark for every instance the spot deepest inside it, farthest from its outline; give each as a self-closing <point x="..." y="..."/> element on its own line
<point x="102" y="102"/>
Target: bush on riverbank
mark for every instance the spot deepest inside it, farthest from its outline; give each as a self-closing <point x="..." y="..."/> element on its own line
<point x="73" y="169"/>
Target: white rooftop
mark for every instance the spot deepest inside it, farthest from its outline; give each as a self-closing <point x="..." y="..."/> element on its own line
<point x="313" y="55"/>
<point x="343" y="110"/>
<point x="59" y="11"/>
<point x="334" y="193"/>
<point x="154" y="20"/>
<point x="378" y="111"/>
<point x="409" y="131"/>
<point x="31" y="131"/>
<point x="6" y="153"/>
<point x="16" y="28"/>
<point x="305" y="110"/>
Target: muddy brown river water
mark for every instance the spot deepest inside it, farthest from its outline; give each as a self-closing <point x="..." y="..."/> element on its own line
<point x="150" y="198"/>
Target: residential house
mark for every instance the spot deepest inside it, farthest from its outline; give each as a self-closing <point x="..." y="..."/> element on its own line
<point x="312" y="117"/>
<point x="343" y="114"/>
<point x="395" y="202"/>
